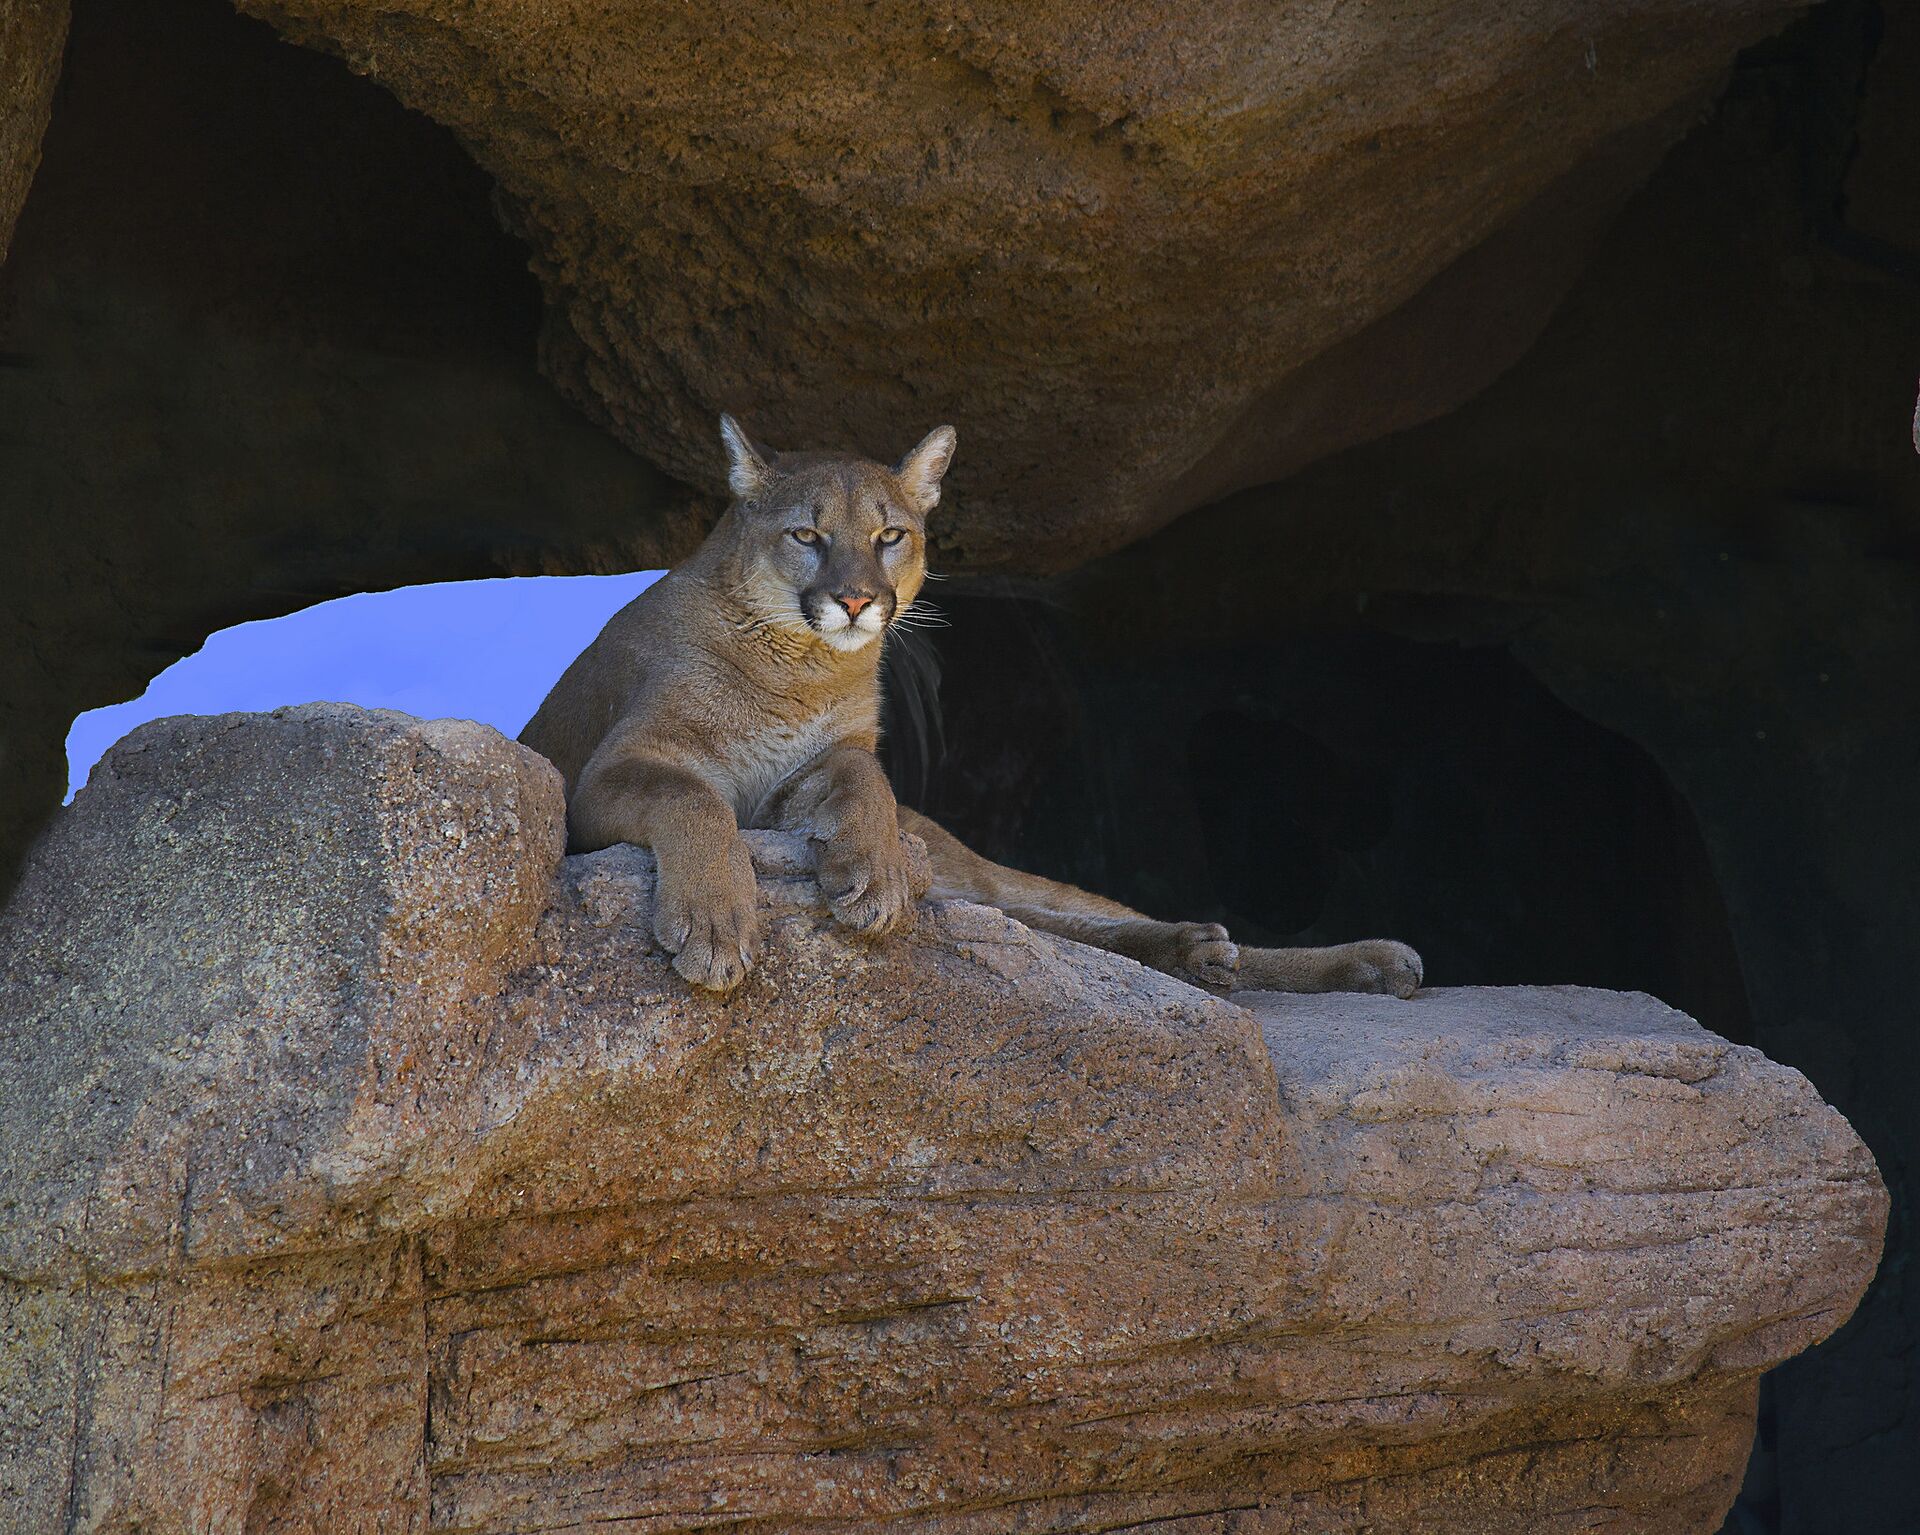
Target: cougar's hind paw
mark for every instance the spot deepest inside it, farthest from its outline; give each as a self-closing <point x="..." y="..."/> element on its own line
<point x="1205" y="955"/>
<point x="1381" y="966"/>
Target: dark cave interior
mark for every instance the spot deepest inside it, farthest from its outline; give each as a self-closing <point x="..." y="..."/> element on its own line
<point x="1607" y="677"/>
<point x="1332" y="785"/>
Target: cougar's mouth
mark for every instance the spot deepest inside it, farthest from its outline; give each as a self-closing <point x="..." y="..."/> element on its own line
<point x="844" y="630"/>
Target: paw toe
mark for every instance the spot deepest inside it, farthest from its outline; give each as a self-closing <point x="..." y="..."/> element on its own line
<point x="708" y="970"/>
<point x="875" y="913"/>
<point x="1215" y="971"/>
<point x="717" y="947"/>
<point x="671" y="930"/>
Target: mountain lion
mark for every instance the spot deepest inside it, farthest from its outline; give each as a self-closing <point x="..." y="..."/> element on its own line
<point x="742" y="689"/>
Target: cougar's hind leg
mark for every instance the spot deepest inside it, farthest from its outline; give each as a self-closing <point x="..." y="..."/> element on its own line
<point x="1376" y="965"/>
<point x="1195" y="951"/>
<point x="1199" y="952"/>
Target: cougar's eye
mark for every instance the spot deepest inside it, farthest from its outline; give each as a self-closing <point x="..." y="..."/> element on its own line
<point x="804" y="535"/>
<point x="888" y="537"/>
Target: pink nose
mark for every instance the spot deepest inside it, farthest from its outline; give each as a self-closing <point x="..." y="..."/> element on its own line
<point x="853" y="605"/>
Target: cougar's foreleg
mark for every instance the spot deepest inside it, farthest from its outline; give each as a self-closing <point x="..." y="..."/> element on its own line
<point x="844" y="804"/>
<point x="703" y="912"/>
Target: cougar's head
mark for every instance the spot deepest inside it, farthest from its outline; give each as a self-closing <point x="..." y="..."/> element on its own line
<point x="835" y="546"/>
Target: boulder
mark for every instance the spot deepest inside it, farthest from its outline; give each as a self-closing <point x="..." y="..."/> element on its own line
<point x="368" y="1169"/>
<point x="1141" y="254"/>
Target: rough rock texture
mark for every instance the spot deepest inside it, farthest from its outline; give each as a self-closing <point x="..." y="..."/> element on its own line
<point x="1117" y="244"/>
<point x="369" y="1171"/>
<point x="31" y="34"/>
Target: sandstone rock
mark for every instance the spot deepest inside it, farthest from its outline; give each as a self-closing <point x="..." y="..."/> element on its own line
<point x="367" y="1169"/>
<point x="1118" y="244"/>
<point x="31" y="34"/>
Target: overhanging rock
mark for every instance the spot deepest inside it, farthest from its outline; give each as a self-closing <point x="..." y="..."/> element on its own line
<point x="368" y="1169"/>
<point x="1141" y="254"/>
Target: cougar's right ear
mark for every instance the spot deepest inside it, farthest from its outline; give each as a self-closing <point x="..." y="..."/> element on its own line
<point x="746" y="465"/>
<point x="920" y="471"/>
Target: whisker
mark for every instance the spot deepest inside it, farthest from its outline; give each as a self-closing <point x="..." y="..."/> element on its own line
<point x="921" y="614"/>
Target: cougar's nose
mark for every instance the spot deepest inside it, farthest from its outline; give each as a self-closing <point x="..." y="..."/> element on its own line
<point x="853" y="602"/>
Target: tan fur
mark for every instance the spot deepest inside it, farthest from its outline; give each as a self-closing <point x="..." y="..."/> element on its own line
<point x="737" y="691"/>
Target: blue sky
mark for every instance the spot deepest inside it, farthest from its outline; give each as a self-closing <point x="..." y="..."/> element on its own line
<point x="477" y="650"/>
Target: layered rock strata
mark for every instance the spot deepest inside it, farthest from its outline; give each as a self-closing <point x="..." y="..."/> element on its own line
<point x="369" y="1169"/>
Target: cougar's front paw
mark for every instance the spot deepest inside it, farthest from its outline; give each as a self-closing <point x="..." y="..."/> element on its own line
<point x="869" y="888"/>
<point x="1378" y="965"/>
<point x="1202" y="952"/>
<point x="706" y="920"/>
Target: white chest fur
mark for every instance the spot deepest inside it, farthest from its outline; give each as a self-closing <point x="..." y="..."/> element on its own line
<point x="759" y="763"/>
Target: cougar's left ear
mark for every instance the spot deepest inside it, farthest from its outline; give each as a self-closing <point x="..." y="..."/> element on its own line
<point x="746" y="464"/>
<point x="920" y="471"/>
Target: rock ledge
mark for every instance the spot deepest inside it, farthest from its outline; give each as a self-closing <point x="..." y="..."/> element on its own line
<point x="367" y="1170"/>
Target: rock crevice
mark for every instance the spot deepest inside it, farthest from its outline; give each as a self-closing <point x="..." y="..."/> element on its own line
<point x="369" y="1169"/>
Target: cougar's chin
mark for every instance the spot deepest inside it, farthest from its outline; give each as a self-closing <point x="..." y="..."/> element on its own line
<point x="851" y="638"/>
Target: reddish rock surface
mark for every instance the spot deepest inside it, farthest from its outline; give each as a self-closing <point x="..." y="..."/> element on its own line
<point x="1142" y="255"/>
<point x="368" y="1170"/>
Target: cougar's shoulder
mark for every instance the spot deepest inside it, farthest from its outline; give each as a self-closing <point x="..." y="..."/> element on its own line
<point x="606" y="682"/>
